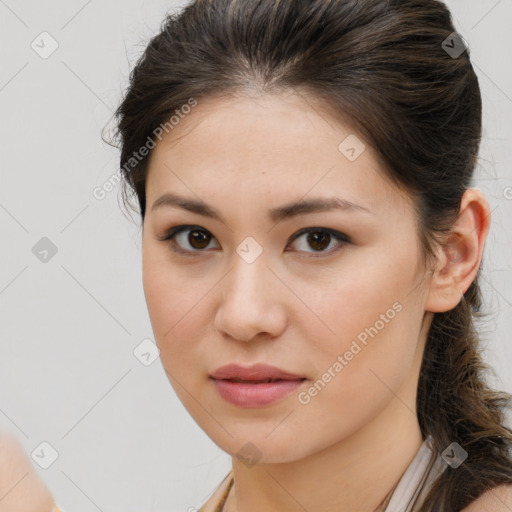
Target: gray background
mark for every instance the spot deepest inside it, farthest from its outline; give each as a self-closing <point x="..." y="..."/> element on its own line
<point x="69" y="326"/>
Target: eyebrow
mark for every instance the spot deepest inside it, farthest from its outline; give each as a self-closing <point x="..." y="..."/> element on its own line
<point x="276" y="215"/>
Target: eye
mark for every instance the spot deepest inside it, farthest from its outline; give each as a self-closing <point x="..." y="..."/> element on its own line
<point x="320" y="238"/>
<point x="199" y="238"/>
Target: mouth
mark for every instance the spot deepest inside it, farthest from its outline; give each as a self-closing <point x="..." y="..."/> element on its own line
<point x="256" y="393"/>
<point x="261" y="381"/>
<point x="257" y="373"/>
<point x="253" y="386"/>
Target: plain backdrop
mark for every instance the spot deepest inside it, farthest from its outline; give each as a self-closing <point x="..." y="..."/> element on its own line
<point x="69" y="325"/>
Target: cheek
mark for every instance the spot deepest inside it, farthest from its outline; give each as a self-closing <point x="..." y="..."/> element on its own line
<point x="354" y="296"/>
<point x="369" y="329"/>
<point x="359" y="371"/>
<point x="164" y="293"/>
<point x="176" y="301"/>
<point x="176" y="311"/>
<point x="167" y="289"/>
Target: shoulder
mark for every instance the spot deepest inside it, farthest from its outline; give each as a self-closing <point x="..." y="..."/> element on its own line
<point x="21" y="489"/>
<point x="498" y="499"/>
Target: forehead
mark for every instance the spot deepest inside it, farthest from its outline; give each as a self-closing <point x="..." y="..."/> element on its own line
<point x="263" y="146"/>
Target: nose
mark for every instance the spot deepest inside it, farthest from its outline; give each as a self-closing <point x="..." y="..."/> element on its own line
<point x="251" y="302"/>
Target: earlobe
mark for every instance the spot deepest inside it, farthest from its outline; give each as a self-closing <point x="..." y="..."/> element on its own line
<point x="459" y="257"/>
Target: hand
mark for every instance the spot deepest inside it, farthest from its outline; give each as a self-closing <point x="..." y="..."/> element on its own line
<point x="21" y="490"/>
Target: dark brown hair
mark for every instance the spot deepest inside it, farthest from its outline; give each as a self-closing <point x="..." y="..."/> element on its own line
<point x="382" y="65"/>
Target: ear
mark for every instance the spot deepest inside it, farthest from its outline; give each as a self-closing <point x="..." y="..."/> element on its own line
<point x="460" y="255"/>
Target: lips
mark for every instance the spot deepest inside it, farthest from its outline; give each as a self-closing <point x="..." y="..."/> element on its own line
<point x="259" y="385"/>
<point x="257" y="373"/>
<point x="254" y="381"/>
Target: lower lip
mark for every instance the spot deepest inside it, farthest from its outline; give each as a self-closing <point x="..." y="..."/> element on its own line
<point x="255" y="395"/>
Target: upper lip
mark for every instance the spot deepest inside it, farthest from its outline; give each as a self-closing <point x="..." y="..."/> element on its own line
<point x="257" y="371"/>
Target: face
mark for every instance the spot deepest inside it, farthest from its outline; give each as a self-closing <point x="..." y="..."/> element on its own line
<point x="335" y="296"/>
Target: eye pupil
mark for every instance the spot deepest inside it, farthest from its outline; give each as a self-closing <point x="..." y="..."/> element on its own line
<point x="316" y="237"/>
<point x="200" y="238"/>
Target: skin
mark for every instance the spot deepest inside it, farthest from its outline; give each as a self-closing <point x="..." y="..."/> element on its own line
<point x="294" y="307"/>
<point x="21" y="489"/>
<point x="494" y="500"/>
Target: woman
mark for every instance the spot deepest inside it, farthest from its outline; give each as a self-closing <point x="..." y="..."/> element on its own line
<point x="311" y="251"/>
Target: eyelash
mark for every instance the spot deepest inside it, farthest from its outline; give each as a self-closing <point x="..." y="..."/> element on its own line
<point x="172" y="233"/>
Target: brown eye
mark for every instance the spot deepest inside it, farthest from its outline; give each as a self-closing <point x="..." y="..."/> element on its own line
<point x="319" y="239"/>
<point x="188" y="239"/>
<point x="198" y="237"/>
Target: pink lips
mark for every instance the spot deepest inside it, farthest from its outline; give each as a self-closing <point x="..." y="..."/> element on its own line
<point x="254" y="386"/>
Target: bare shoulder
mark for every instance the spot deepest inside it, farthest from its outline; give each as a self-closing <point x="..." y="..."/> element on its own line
<point x="498" y="499"/>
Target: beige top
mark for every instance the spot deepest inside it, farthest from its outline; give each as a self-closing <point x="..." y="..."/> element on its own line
<point x="418" y="471"/>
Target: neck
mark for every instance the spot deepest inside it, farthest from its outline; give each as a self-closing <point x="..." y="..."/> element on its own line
<point x="357" y="473"/>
